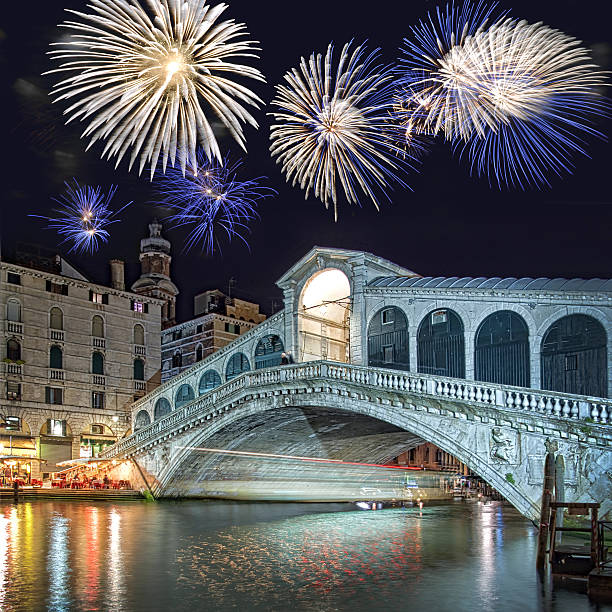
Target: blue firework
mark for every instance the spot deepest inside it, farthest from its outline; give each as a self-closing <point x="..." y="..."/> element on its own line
<point x="83" y="216"/>
<point x="211" y="201"/>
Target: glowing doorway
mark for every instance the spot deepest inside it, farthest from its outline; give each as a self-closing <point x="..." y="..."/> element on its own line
<point x="324" y="316"/>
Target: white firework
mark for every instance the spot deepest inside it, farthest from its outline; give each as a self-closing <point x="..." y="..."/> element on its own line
<point x="334" y="126"/>
<point x="153" y="79"/>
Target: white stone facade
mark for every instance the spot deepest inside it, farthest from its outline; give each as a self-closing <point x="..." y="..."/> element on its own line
<point x="121" y="336"/>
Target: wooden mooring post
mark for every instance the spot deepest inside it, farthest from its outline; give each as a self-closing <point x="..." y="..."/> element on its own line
<point x="547" y="497"/>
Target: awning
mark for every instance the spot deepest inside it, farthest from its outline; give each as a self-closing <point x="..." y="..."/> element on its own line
<point x="21" y="458"/>
<point x="86" y="461"/>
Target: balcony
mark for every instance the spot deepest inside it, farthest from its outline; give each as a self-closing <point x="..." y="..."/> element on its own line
<point x="140" y="385"/>
<point x="56" y="374"/>
<point x="14" y="369"/>
<point x="98" y="342"/>
<point x="140" y="349"/>
<point x="57" y="334"/>
<point x="98" y="379"/>
<point x="14" y="327"/>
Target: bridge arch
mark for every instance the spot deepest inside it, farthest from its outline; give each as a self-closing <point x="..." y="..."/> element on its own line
<point x="441" y="344"/>
<point x="501" y="349"/>
<point x="416" y="422"/>
<point x="143" y="418"/>
<point x="236" y="365"/>
<point x="388" y="339"/>
<point x="268" y="351"/>
<point x="209" y="380"/>
<point x="162" y="408"/>
<point x="574" y="356"/>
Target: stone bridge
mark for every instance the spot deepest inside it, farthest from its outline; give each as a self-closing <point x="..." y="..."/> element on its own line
<point x="341" y="411"/>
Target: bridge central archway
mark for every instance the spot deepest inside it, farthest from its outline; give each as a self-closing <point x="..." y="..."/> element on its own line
<point x="324" y="317"/>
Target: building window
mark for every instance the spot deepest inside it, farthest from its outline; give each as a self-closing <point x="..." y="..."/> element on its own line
<point x="54" y="395"/>
<point x="139" y="306"/>
<point x="98" y="298"/>
<point x="97" y="363"/>
<point x="56" y="358"/>
<point x="177" y="360"/>
<point x="438" y="317"/>
<point x="58" y="288"/>
<point x="97" y="429"/>
<point x="138" y="369"/>
<point x="13" y="350"/>
<point x="199" y="353"/>
<point x="387" y="316"/>
<point x="97" y="399"/>
<point x="55" y="427"/>
<point x="97" y="327"/>
<point x="56" y="318"/>
<point x="177" y="335"/>
<point x="13" y="311"/>
<point x="13" y="391"/>
<point x="12" y="423"/>
<point x="13" y="279"/>
<point x="571" y="363"/>
<point x="139" y="334"/>
<point x="199" y="329"/>
<point x="232" y="328"/>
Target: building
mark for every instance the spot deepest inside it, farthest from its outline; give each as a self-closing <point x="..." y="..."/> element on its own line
<point x="75" y="355"/>
<point x="219" y="320"/>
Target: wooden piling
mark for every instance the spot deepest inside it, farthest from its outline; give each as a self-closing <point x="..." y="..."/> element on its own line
<point x="547" y="497"/>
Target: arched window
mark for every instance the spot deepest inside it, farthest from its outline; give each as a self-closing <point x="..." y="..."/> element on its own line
<point x="388" y="339"/>
<point x="97" y="363"/>
<point x="237" y="364"/>
<point x="199" y="353"/>
<point x="184" y="395"/>
<point x="139" y="337"/>
<point x="574" y="356"/>
<point x="138" y="369"/>
<point x="162" y="408"/>
<point x="142" y="420"/>
<point x="56" y="358"/>
<point x="440" y="344"/>
<point x="501" y="352"/>
<point x="97" y="327"/>
<point x="177" y="360"/>
<point x="13" y="310"/>
<point x="209" y="380"/>
<point x="13" y="350"/>
<point x="268" y="352"/>
<point x="56" y="318"/>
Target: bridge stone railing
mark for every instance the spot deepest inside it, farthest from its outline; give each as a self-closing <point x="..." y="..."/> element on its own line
<point x="511" y="399"/>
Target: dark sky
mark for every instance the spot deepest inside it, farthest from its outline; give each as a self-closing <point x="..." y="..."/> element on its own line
<point x="450" y="224"/>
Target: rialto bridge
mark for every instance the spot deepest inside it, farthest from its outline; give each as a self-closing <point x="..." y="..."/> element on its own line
<point x="493" y="371"/>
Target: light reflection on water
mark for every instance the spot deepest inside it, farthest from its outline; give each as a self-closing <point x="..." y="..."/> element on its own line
<point x="228" y="556"/>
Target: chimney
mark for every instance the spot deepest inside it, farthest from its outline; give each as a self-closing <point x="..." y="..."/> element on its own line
<point x="117" y="274"/>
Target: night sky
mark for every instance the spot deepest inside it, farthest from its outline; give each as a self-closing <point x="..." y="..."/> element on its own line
<point x="449" y="224"/>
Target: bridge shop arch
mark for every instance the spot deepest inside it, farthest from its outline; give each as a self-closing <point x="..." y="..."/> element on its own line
<point x="441" y="344"/>
<point x="324" y="317"/>
<point x="388" y="339"/>
<point x="162" y="408"/>
<point x="209" y="380"/>
<point x="574" y="356"/>
<point x="143" y="418"/>
<point x="501" y="349"/>
<point x="237" y="364"/>
<point x="268" y="352"/>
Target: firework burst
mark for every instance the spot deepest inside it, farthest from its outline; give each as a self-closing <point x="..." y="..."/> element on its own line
<point x="210" y="200"/>
<point x="83" y="216"/>
<point x="517" y="99"/>
<point x="334" y="126"/>
<point x="149" y="80"/>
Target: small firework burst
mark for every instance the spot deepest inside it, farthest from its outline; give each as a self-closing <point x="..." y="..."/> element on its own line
<point x="210" y="200"/>
<point x="83" y="215"/>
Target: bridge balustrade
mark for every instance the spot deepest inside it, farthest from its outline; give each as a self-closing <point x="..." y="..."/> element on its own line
<point x="210" y="404"/>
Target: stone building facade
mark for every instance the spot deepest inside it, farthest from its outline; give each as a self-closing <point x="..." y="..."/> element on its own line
<point x="218" y="321"/>
<point x="75" y="355"/>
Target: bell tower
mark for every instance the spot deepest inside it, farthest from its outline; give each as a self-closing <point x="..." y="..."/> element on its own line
<point x="155" y="278"/>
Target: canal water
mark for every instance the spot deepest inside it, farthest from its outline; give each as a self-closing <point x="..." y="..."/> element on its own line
<point x="198" y="555"/>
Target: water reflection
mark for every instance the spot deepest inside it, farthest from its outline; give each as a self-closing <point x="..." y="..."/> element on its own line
<point x="228" y="556"/>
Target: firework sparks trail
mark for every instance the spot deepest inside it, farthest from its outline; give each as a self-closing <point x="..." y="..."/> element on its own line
<point x="211" y="200"/>
<point x="333" y="128"/>
<point x="83" y="216"/>
<point x="150" y="79"/>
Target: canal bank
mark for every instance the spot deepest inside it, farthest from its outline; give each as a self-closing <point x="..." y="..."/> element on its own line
<point x="189" y="555"/>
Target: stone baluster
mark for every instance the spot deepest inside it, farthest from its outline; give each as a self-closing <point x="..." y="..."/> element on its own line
<point x="439" y="388"/>
<point x="472" y="394"/>
<point x="604" y="414"/>
<point x="595" y="413"/>
<point x="478" y="394"/>
<point x="557" y="407"/>
<point x="566" y="409"/>
<point x="574" y="411"/>
<point x="525" y="402"/>
<point x="549" y="406"/>
<point x="532" y="403"/>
